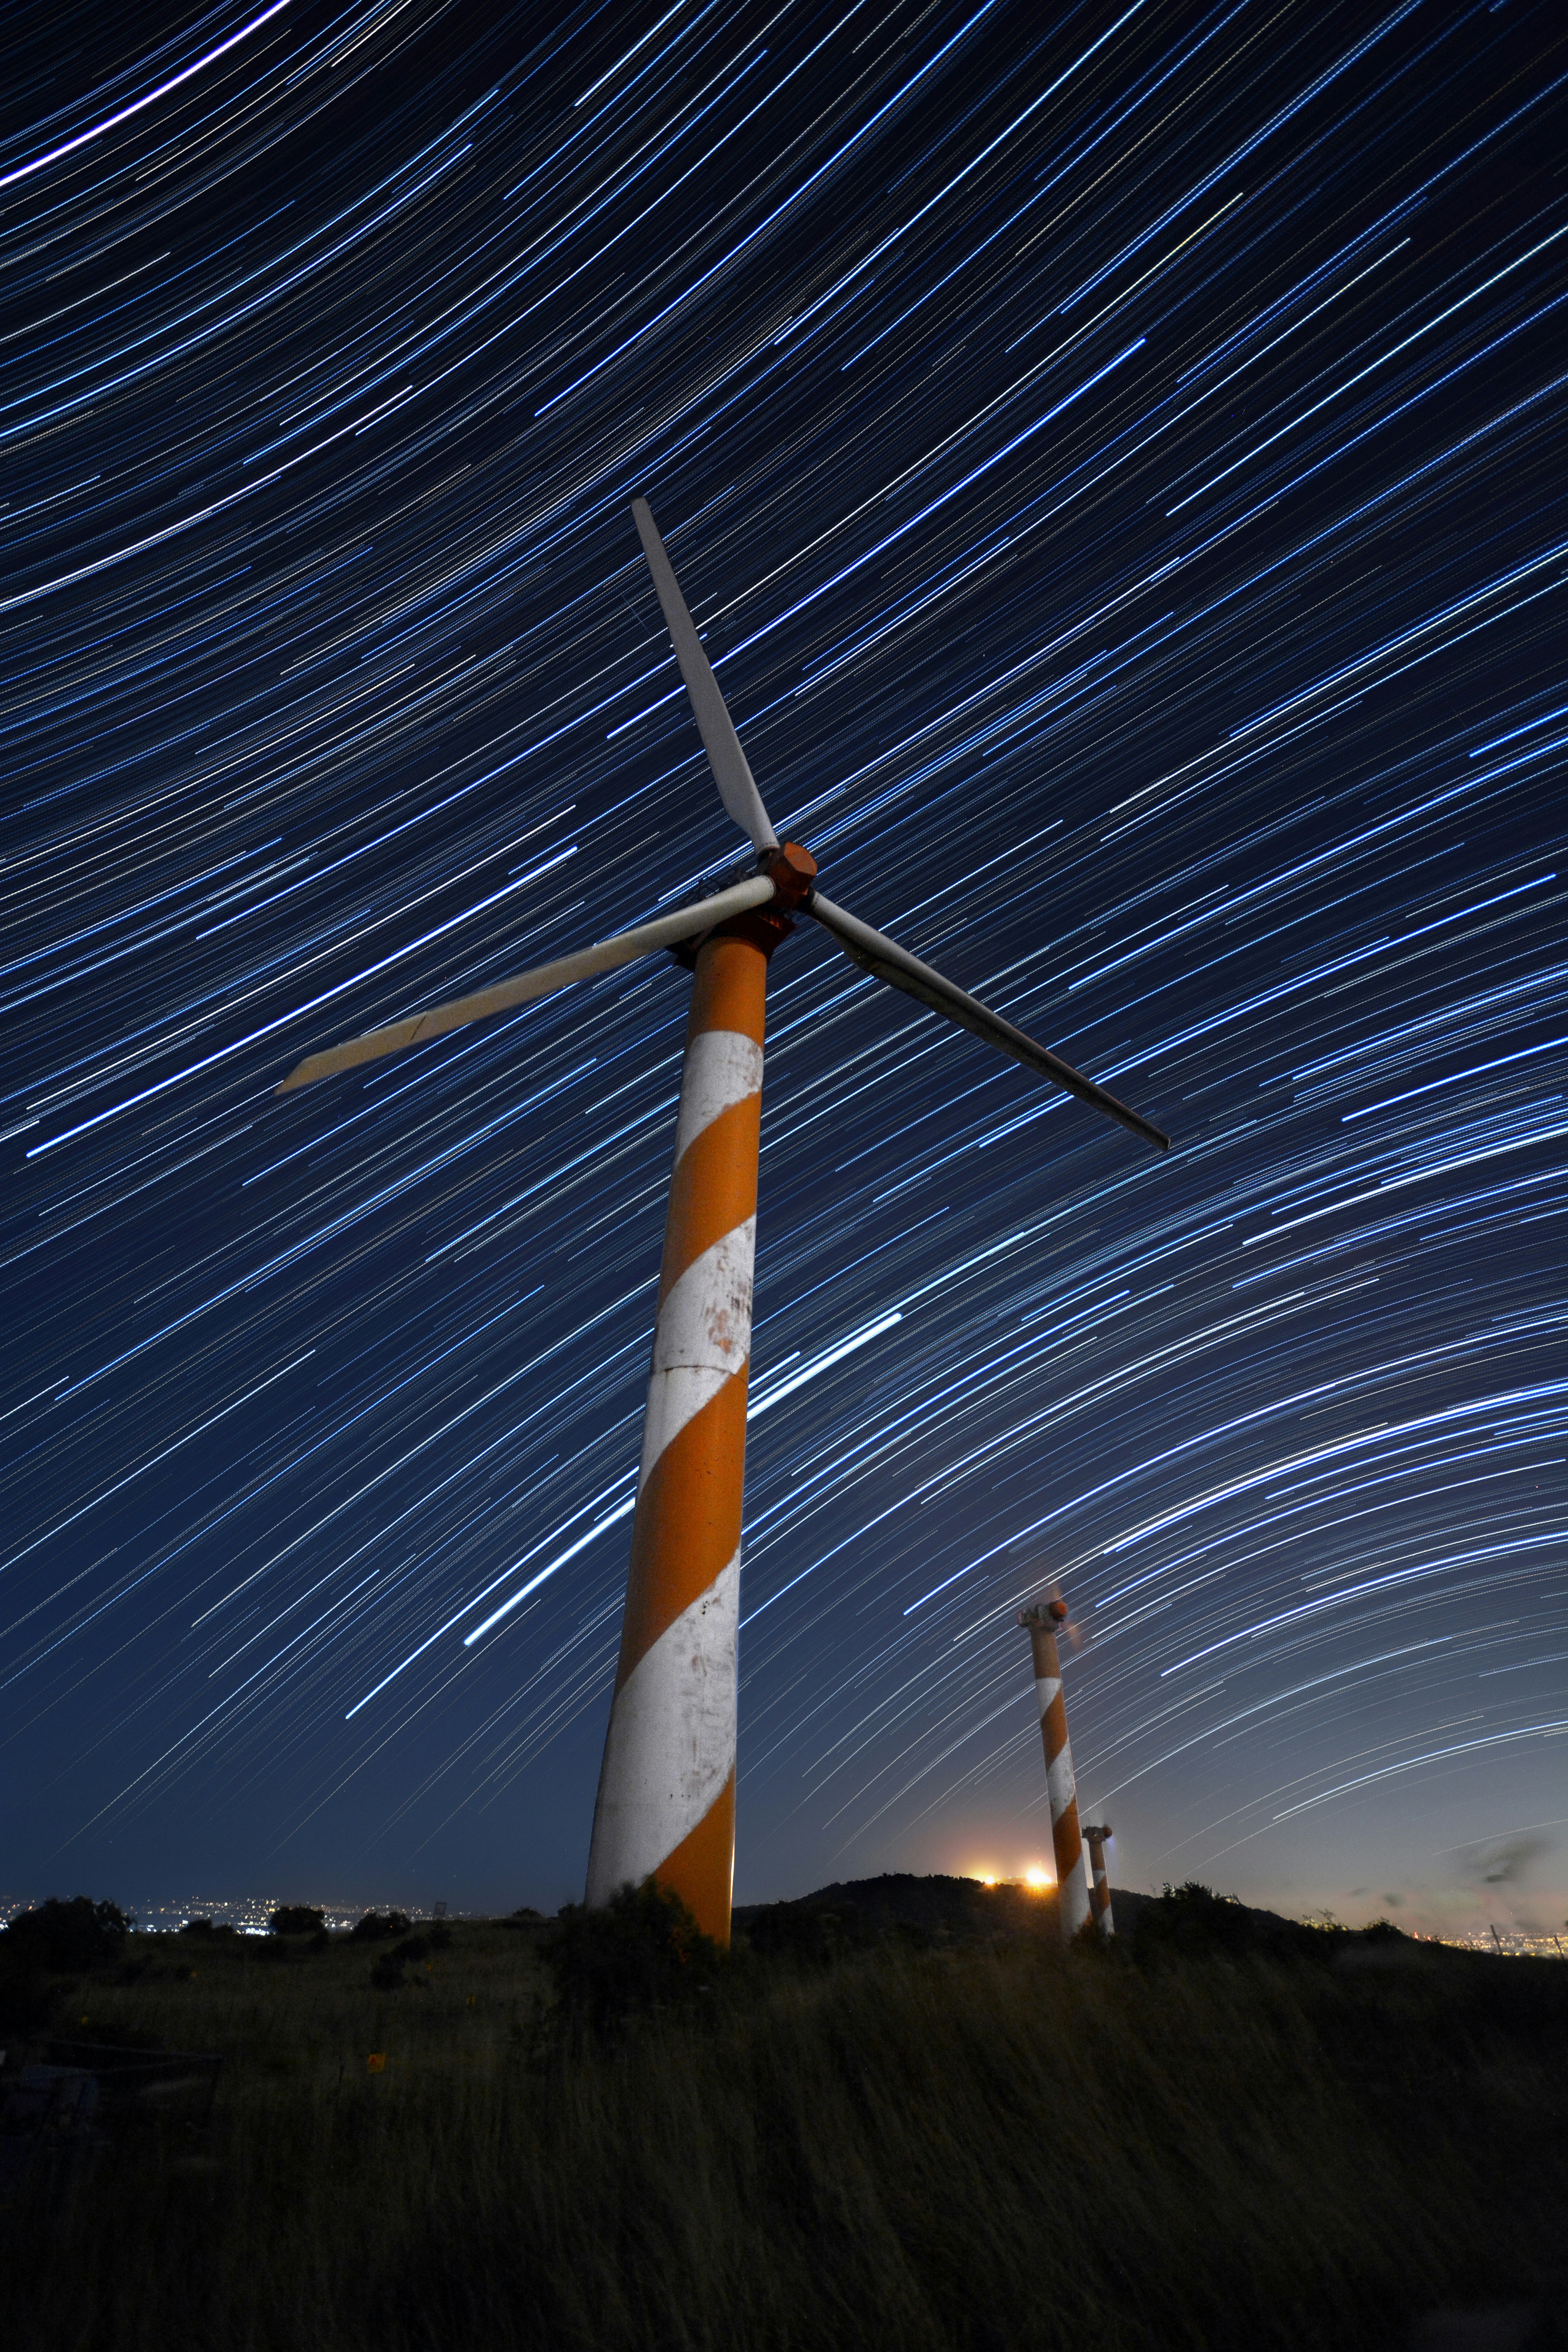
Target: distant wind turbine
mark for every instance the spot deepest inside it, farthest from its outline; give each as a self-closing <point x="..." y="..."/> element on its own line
<point x="1096" y="1839"/>
<point x="1042" y="1623"/>
<point x="667" y="1789"/>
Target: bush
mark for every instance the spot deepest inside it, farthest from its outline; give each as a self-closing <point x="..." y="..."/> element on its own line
<point x="642" y="1951"/>
<point x="297" y="1920"/>
<point x="379" y="1927"/>
<point x="204" y="1930"/>
<point x="387" y="1973"/>
<point x="1193" y="1920"/>
<point x="56" y="1939"/>
<point x="420" y="1946"/>
<point x="63" y="1938"/>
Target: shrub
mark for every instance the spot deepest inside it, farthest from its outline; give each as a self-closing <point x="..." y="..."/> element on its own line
<point x="420" y="1946"/>
<point x="1192" y="1919"/>
<point x="379" y="1927"/>
<point x="642" y="1951"/>
<point x="297" y="1920"/>
<point x="62" y="1937"/>
<point x="387" y="1974"/>
<point x="56" y="1939"/>
<point x="204" y="1930"/>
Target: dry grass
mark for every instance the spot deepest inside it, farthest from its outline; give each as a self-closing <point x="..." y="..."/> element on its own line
<point x="981" y="2149"/>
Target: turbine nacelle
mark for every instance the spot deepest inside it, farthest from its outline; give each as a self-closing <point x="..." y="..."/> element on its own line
<point x="1053" y="1616"/>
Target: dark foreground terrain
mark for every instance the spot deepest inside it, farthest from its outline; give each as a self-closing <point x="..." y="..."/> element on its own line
<point x="900" y="2117"/>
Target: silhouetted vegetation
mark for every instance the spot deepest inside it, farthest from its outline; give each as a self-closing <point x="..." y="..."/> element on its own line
<point x="379" y="1927"/>
<point x="1194" y="1919"/>
<point x="641" y="1954"/>
<point x="61" y="1936"/>
<point x="603" y="2133"/>
<point x="297" y="1920"/>
<point x="390" y="1970"/>
<point x="54" y="1938"/>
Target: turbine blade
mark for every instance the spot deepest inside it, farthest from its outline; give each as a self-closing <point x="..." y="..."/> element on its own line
<point x="624" y="948"/>
<point x="876" y="953"/>
<point x="737" y="787"/>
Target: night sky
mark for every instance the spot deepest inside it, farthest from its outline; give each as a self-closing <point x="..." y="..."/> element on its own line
<point x="1115" y="456"/>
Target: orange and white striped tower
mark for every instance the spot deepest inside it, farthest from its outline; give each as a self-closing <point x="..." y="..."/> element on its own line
<point x="667" y="1785"/>
<point x="1099" y="1887"/>
<point x="1072" y="1893"/>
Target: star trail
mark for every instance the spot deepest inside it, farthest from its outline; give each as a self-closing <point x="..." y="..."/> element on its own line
<point x="1113" y="457"/>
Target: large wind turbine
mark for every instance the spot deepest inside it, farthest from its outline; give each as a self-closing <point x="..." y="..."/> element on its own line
<point x="666" y="1787"/>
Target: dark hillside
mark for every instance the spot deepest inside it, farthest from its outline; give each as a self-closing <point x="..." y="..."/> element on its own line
<point x="963" y="1910"/>
<point x="960" y="1909"/>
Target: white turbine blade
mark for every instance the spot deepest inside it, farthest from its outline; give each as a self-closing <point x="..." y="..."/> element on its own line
<point x="624" y="948"/>
<point x="876" y="953"/>
<point x="737" y="786"/>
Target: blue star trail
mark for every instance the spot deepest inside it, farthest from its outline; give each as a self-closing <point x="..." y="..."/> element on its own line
<point x="1114" y="459"/>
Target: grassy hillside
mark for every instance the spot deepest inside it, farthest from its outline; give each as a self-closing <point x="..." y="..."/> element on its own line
<point x="985" y="2144"/>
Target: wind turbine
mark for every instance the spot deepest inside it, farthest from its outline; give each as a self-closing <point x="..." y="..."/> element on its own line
<point x="1042" y="1623"/>
<point x="1096" y="1839"/>
<point x="667" y="1789"/>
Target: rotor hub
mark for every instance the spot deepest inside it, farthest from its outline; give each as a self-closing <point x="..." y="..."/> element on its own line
<point x="792" y="870"/>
